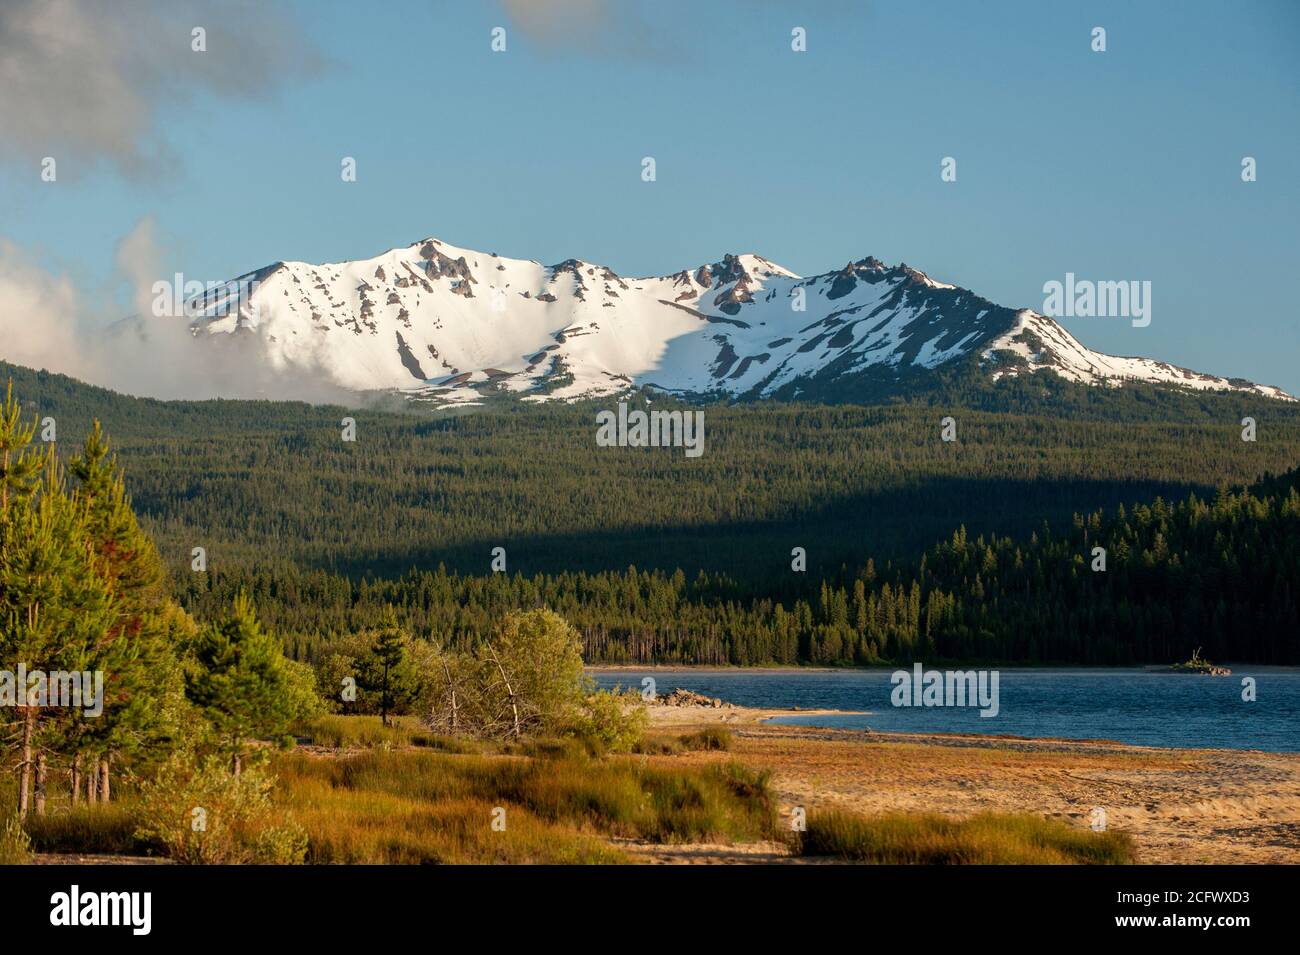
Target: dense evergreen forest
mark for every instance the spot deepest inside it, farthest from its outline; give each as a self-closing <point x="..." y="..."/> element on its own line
<point x="1220" y="574"/>
<point x="325" y="532"/>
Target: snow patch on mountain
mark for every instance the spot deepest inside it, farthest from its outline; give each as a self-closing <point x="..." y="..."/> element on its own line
<point x="1040" y="343"/>
<point x="449" y="324"/>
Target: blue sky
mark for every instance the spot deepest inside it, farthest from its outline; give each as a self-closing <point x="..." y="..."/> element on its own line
<point x="1115" y="165"/>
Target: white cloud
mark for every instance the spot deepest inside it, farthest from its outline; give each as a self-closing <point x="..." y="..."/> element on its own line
<point x="37" y="315"/>
<point x="47" y="322"/>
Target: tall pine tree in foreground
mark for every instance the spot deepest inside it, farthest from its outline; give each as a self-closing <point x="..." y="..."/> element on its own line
<point x="55" y="609"/>
<point x="142" y="670"/>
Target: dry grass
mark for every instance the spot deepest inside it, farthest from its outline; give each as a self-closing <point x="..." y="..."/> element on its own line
<point x="413" y="806"/>
<point x="352" y="732"/>
<point x="102" y="829"/>
<point x="1180" y="806"/>
<point x="983" y="839"/>
<point x="707" y="738"/>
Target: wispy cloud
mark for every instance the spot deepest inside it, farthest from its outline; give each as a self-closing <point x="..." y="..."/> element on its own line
<point x="628" y="28"/>
<point x="647" y="30"/>
<point x="90" y="82"/>
<point x="36" y="315"/>
<point x="84" y="80"/>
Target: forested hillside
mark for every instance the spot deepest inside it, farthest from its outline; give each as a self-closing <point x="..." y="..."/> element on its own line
<point x="1219" y="574"/>
<point x="266" y="483"/>
<point x="655" y="556"/>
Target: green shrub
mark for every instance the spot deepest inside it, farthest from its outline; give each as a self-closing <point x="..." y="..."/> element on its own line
<point x="203" y="814"/>
<point x="611" y="721"/>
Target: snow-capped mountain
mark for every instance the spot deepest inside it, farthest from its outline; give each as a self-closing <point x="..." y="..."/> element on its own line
<point x="452" y="324"/>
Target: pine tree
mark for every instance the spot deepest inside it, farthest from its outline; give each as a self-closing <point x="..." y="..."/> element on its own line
<point x="387" y="655"/>
<point x="238" y="676"/>
<point x="139" y="655"/>
<point x="54" y="608"/>
<point x="20" y="466"/>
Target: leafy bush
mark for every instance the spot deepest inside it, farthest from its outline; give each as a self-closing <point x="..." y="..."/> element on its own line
<point x="526" y="680"/>
<point x="611" y="721"/>
<point x="202" y="814"/>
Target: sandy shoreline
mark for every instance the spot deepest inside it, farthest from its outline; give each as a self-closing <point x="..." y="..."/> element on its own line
<point x="1180" y="805"/>
<point x="731" y="715"/>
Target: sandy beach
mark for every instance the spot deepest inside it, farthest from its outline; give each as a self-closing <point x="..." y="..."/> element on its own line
<point x="1180" y="805"/>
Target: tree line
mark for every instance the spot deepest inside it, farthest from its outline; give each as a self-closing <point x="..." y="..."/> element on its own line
<point x="248" y="480"/>
<point x="1216" y="572"/>
<point x="323" y="535"/>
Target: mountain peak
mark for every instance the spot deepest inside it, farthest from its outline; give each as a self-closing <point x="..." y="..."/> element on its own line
<point x="450" y="324"/>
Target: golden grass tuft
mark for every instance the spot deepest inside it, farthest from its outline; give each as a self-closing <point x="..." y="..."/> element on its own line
<point x="983" y="839"/>
<point x="383" y="806"/>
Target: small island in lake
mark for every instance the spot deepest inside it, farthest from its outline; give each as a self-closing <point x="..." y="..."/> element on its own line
<point x="1197" y="664"/>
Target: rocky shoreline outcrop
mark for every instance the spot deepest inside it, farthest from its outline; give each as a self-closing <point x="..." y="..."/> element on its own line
<point x="680" y="697"/>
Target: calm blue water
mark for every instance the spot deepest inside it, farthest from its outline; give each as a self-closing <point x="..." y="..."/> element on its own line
<point x="1129" y="706"/>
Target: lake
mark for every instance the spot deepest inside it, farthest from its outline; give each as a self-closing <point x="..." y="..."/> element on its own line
<point x="1127" y="705"/>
